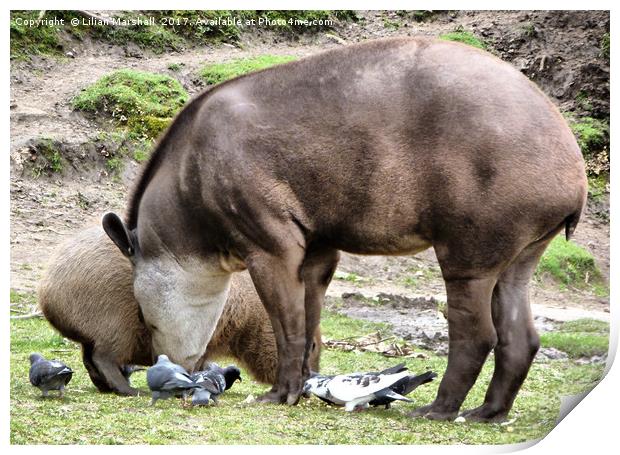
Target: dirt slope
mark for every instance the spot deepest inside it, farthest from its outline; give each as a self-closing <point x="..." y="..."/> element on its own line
<point x="560" y="55"/>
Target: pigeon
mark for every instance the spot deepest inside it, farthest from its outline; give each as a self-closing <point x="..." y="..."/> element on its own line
<point x="49" y="374"/>
<point x="213" y="382"/>
<point x="357" y="390"/>
<point x="167" y="379"/>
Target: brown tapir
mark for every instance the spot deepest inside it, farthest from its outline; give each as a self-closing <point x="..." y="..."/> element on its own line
<point x="384" y="147"/>
<point x="87" y="294"/>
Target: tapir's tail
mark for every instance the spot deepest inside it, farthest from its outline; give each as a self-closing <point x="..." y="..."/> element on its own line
<point x="571" y="222"/>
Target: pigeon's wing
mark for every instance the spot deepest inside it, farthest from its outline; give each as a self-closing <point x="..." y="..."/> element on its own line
<point x="166" y="363"/>
<point x="395" y="369"/>
<point x="178" y="381"/>
<point x="327" y="400"/>
<point x="209" y="384"/>
<point x="44" y="371"/>
<point x="162" y="378"/>
<point x="212" y="366"/>
<point x="345" y="388"/>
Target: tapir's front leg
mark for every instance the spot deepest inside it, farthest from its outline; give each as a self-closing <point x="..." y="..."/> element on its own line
<point x="279" y="284"/>
<point x="318" y="268"/>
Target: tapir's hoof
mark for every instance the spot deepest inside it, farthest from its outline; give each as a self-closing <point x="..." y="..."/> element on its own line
<point x="485" y="413"/>
<point x="127" y="392"/>
<point x="431" y="412"/>
<point x="292" y="399"/>
<point x="271" y="397"/>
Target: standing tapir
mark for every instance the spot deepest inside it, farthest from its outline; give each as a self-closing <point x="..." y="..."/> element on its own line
<point x="385" y="147"/>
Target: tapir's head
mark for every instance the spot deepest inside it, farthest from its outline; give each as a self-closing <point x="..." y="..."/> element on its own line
<point x="181" y="298"/>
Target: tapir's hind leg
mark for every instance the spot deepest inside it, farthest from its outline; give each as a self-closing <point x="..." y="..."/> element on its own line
<point x="471" y="338"/>
<point x="518" y="341"/>
<point x="318" y="268"/>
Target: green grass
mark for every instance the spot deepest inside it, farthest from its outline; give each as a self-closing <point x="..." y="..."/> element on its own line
<point x="143" y="102"/>
<point x="569" y="264"/>
<point x="463" y="36"/>
<point x="598" y="187"/>
<point x="419" y="15"/>
<point x="88" y="417"/>
<point x="417" y="277"/>
<point x="49" y="159"/>
<point x="592" y="134"/>
<point x="390" y="24"/>
<point x="581" y="338"/>
<point x="219" y="72"/>
<point x="528" y="30"/>
<point x="605" y="45"/>
<point x="32" y="40"/>
<point x="22" y="298"/>
<point x="176" y="66"/>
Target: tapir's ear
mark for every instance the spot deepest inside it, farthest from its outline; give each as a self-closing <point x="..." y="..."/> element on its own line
<point x="117" y="231"/>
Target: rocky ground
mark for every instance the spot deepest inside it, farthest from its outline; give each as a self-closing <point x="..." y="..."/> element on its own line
<point x="558" y="51"/>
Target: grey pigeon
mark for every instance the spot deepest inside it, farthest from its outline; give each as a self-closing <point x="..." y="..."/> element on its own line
<point x="358" y="390"/>
<point x="213" y="382"/>
<point x="49" y="374"/>
<point x="167" y="379"/>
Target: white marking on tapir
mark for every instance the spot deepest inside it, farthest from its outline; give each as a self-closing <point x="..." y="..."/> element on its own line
<point x="514" y="314"/>
<point x="181" y="302"/>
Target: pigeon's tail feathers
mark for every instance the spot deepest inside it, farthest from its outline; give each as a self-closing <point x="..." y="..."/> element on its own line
<point x="201" y="397"/>
<point x="395" y="369"/>
<point x="410" y="383"/>
<point x="388" y="393"/>
<point x="66" y="376"/>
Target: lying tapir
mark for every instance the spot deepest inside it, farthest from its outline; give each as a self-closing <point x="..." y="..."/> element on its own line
<point x="383" y="147"/>
<point x="87" y="295"/>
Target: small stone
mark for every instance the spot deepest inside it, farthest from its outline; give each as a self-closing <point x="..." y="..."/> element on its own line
<point x="460" y="419"/>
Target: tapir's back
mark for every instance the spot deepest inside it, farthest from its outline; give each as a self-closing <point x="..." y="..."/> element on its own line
<point x="392" y="132"/>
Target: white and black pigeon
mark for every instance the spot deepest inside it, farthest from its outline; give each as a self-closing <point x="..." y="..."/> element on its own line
<point x="213" y="382"/>
<point x="49" y="374"/>
<point x="167" y="379"/>
<point x="356" y="391"/>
